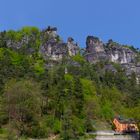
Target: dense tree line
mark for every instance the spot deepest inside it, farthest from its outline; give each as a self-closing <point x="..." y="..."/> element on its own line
<point x="40" y="101"/>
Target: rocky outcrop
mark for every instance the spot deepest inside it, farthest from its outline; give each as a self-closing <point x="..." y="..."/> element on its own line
<point x="73" y="48"/>
<point x="130" y="67"/>
<point x="52" y="47"/>
<point x="55" y="49"/>
<point x="10" y="43"/>
<point x="119" y="54"/>
<point x="96" y="50"/>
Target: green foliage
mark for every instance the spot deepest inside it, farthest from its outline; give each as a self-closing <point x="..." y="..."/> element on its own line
<point x="131" y="47"/>
<point x="88" y="87"/>
<point x="78" y="58"/>
<point x="11" y="34"/>
<point x="72" y="127"/>
<point x="29" y="30"/>
<point x="1" y="53"/>
<point x="39" y="101"/>
<point x="33" y="35"/>
<point x="51" y="125"/>
<point x="22" y="101"/>
<point x="29" y="37"/>
<point x="16" y="58"/>
<point x="68" y="77"/>
<point x="39" y="67"/>
<point x="107" y="111"/>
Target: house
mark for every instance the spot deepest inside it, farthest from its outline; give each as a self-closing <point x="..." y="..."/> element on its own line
<point x="125" y="125"/>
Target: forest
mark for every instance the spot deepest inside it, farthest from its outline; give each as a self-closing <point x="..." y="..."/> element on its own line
<point x="64" y="100"/>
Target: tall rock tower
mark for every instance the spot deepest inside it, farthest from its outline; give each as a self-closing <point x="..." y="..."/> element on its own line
<point x="73" y="48"/>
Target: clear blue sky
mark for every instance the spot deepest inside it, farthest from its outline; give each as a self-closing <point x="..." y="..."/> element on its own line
<point x="116" y="19"/>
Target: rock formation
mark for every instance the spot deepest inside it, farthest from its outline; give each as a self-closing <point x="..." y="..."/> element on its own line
<point x="73" y="48"/>
<point x="97" y="51"/>
<point x="94" y="50"/>
<point x="55" y="49"/>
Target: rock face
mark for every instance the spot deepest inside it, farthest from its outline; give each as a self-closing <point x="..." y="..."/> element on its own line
<point x="120" y="54"/>
<point x="52" y="47"/>
<point x="96" y="50"/>
<point x="55" y="49"/>
<point x="132" y="68"/>
<point x="73" y="48"/>
<point x="18" y="44"/>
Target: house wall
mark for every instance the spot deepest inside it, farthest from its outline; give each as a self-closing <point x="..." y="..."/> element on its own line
<point x="122" y="127"/>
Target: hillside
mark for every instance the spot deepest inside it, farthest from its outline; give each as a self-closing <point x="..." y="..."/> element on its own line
<point x="50" y="87"/>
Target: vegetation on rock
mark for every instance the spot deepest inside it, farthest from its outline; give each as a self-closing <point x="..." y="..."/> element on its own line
<point x="38" y="100"/>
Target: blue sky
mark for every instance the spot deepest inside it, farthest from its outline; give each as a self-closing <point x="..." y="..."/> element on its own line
<point x="116" y="19"/>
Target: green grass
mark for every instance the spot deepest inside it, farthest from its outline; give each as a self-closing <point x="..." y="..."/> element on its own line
<point x="3" y="134"/>
<point x="101" y="125"/>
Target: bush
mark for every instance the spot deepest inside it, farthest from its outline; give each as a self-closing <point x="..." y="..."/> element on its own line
<point x="107" y="112"/>
<point x="50" y="125"/>
<point x="72" y="128"/>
